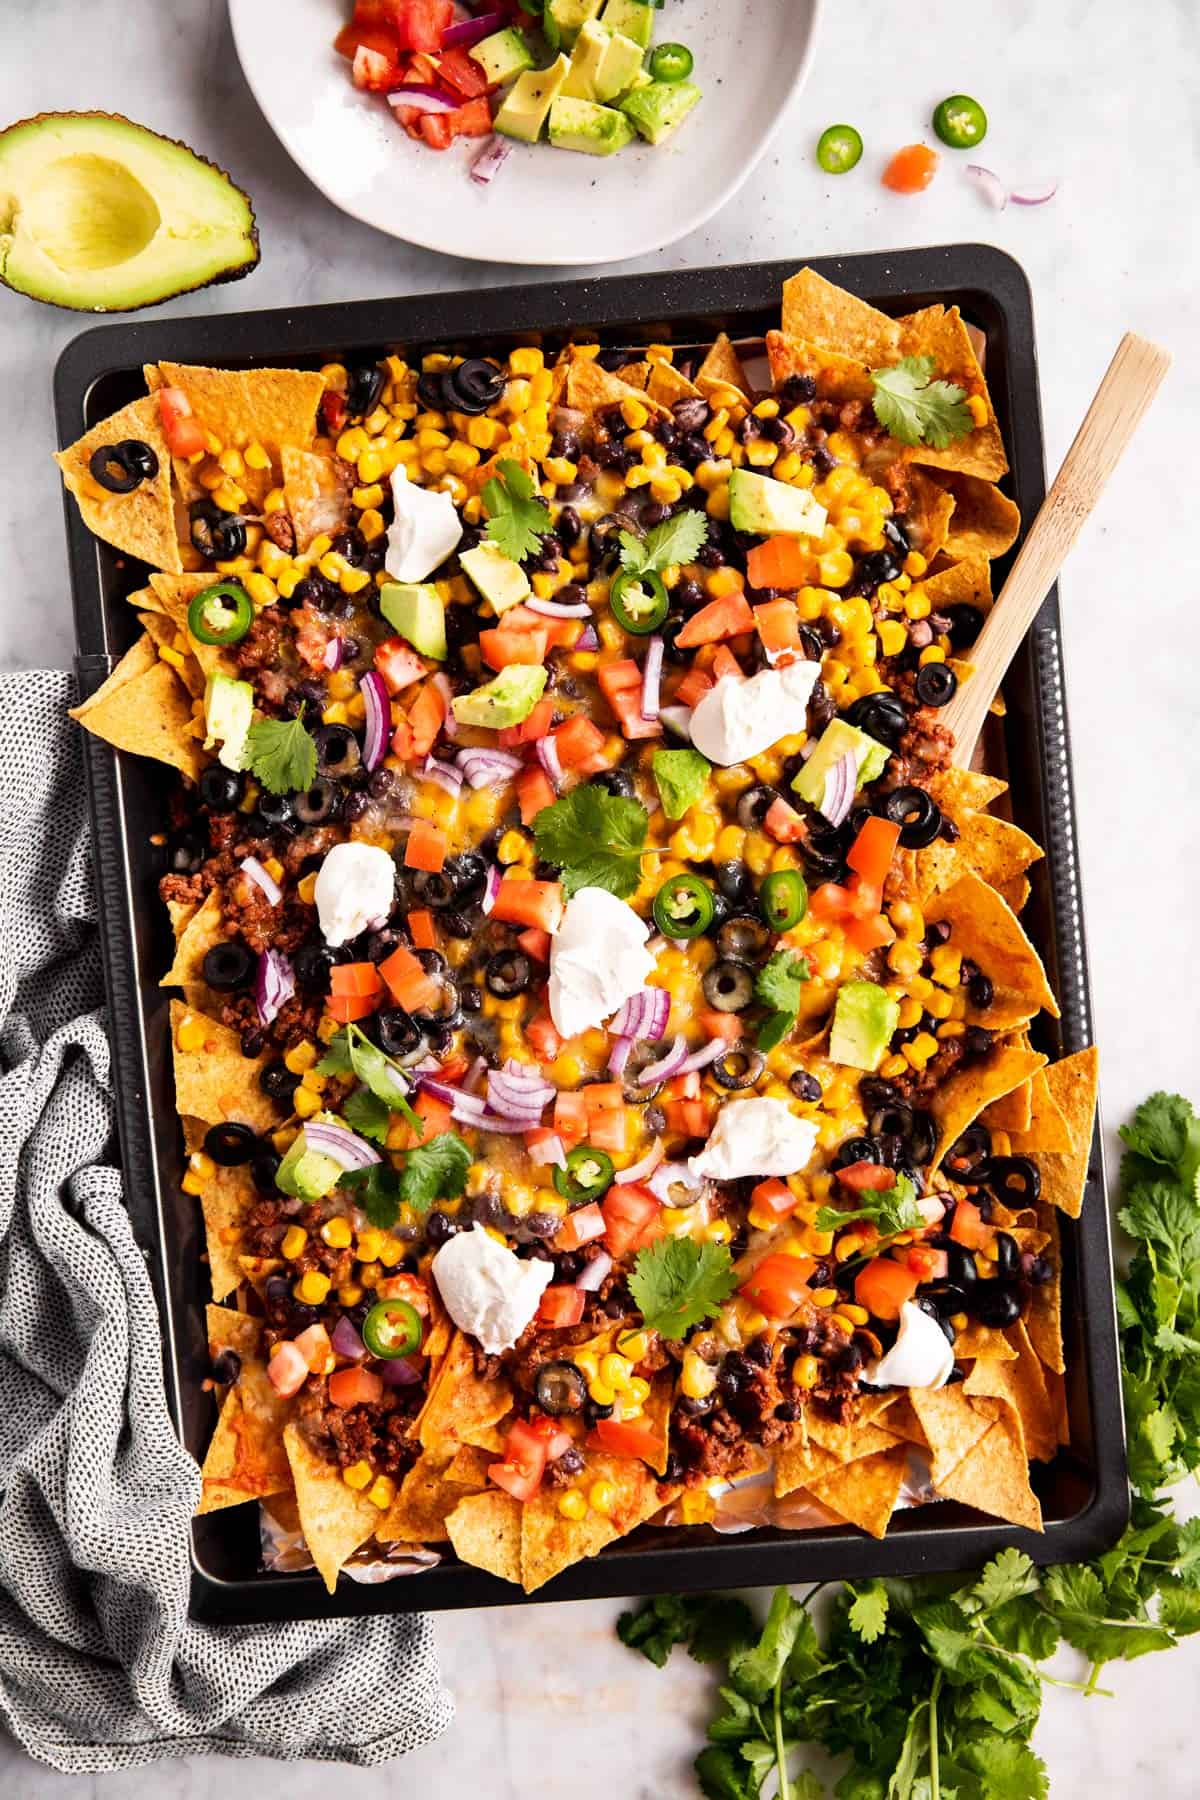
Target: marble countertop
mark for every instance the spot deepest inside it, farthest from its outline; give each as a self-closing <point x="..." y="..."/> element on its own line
<point x="1098" y="93"/>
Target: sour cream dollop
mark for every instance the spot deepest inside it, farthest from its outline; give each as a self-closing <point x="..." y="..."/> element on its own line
<point x="425" y="530"/>
<point x="356" y="886"/>
<point x="755" y="1137"/>
<point x="597" y="960"/>
<point x="488" y="1291"/>
<point x="921" y="1356"/>
<point x="738" y="719"/>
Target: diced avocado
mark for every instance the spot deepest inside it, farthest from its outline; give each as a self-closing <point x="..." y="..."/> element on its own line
<point x="503" y="56"/>
<point x="103" y="215"/>
<point x="506" y="700"/>
<point x="658" y="109"/>
<point x="310" y="1174"/>
<point x="759" y="504"/>
<point x="633" y="18"/>
<point x="571" y="16"/>
<point x="417" y="612"/>
<point x="864" y="1018"/>
<point x="228" y="716"/>
<point x="835" y="741"/>
<point x="586" y="58"/>
<point x="620" y="68"/>
<point x="498" y="578"/>
<point x="582" y="125"/>
<point x="528" y="101"/>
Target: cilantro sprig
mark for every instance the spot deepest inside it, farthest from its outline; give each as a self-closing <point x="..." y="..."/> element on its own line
<point x="930" y="1689"/>
<point x="889" y="1209"/>
<point x="915" y="409"/>
<point x="517" y="520"/>
<point x="281" y="754"/>
<point x="677" y="1283"/>
<point x="596" y="839"/>
<point x="351" y="1052"/>
<point x="433" y="1171"/>
<point x="676" y="540"/>
<point x="778" y="987"/>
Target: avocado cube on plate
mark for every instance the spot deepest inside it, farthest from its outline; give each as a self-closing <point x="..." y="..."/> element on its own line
<point x="657" y="110"/>
<point x="503" y="56"/>
<point x="528" y="101"/>
<point x="582" y="125"/>
<point x="634" y="18"/>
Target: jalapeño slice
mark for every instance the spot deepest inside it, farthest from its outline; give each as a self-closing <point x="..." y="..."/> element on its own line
<point x="639" y="602"/>
<point x="839" y="148"/>
<point x="784" y="899"/>
<point x="392" y="1328"/>
<point x="588" y="1174"/>
<point x="671" y="62"/>
<point x="684" y="907"/>
<point x="221" y="614"/>
<point x="960" y="122"/>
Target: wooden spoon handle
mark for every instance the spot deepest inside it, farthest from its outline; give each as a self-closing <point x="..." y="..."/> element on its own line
<point x="1130" y="383"/>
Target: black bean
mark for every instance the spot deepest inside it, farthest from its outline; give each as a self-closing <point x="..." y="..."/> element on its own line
<point x="805" y="1086"/>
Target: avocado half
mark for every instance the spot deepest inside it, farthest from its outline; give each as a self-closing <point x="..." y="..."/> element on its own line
<point x="102" y="215"/>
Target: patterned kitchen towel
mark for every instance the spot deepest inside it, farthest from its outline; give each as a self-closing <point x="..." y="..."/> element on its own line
<point x="100" y="1666"/>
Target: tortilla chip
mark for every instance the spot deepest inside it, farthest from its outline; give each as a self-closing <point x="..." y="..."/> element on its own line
<point x="204" y="930"/>
<point x="177" y="593"/>
<point x="667" y="385"/>
<point x="271" y="407"/>
<point x="1073" y="1084"/>
<point x="637" y="374"/>
<point x="965" y="583"/>
<point x="166" y="637"/>
<point x="848" y="1442"/>
<point x="798" y="1464"/>
<point x="814" y="308"/>
<point x="1047" y="1129"/>
<point x="485" y="1530"/>
<point x="144" y="708"/>
<point x="427" y="1496"/>
<point x="229" y="1329"/>
<point x="141" y="523"/>
<point x="591" y="389"/>
<point x="952" y="1426"/>
<point x="722" y="368"/>
<point x="961" y="792"/>
<point x="903" y="1420"/>
<point x="1056" y="1387"/>
<point x="217" y="1082"/>
<point x="930" y="515"/>
<point x="985" y="521"/>
<point x="246" y="1457"/>
<point x="964" y="1094"/>
<point x="994" y="1478"/>
<point x="865" y="1492"/>
<point x="258" y="1270"/>
<point x="550" y="1543"/>
<point x="316" y="491"/>
<point x="459" y="1402"/>
<point x="224" y="1201"/>
<point x="838" y="377"/>
<point x="992" y="848"/>
<point x="143" y="600"/>
<point x="469" y="1467"/>
<point x="989" y="932"/>
<point x="334" y="1518"/>
<point x="1012" y="1112"/>
<point x="1044" y="1323"/>
<point x="985" y="1343"/>
<point x="1026" y="1381"/>
<point x="940" y="333"/>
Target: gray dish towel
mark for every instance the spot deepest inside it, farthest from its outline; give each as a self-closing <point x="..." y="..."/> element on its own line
<point x="100" y="1666"/>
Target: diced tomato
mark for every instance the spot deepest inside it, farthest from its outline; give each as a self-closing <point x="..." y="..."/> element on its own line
<point x="373" y="70"/>
<point x="435" y="1117"/>
<point x="426" y="848"/>
<point x="542" y="1038"/>
<point x="184" y="434"/>
<point x="607" y="1129"/>
<point x="314" y="1346"/>
<point x="927" y="1264"/>
<point x="870" y="855"/>
<point x="516" y="1479"/>
<point x="535" y="726"/>
<point x="775" y="1197"/>
<point x="726" y="617"/>
<point x="529" y="903"/>
<point x="333" y="412"/>
<point x="402" y="742"/>
<point x="882" y="1286"/>
<point x="399" y="664"/>
<point x="631" y="1217"/>
<point x="579" y="1228"/>
<point x="684" y="1087"/>
<point x="570" y="1114"/>
<point x="778" y="1284"/>
<point x="473" y="119"/>
<point x="354" y="1387"/>
<point x="422" y="929"/>
<point x="345" y="1008"/>
<point x="500" y="648"/>
<point x="580" y="745"/>
<point x="537" y="1140"/>
<point x="783" y="822"/>
<point x="603" y="1097"/>
<point x="425" y="717"/>
<point x="866" y="1177"/>
<point x="287" y="1370"/>
<point x="403" y="1286"/>
<point x="968" y="1228"/>
<point x="725" y="663"/>
<point x="621" y="685"/>
<point x="557" y="1439"/>
<point x="359" y="979"/>
<point x="778" y="625"/>
<point x="408" y="984"/>
<point x="561" y="1306"/>
<point x="626" y="1437"/>
<point x="869" y="934"/>
<point x="911" y="170"/>
<point x="535" y="792"/>
<point x="693" y="687"/>
<point x="420" y="24"/>
<point x="690" y="1118"/>
<point x="829" y="901"/>
<point x="535" y="943"/>
<point x="525" y="1457"/>
<point x="380" y="38"/>
<point x="779" y="562"/>
<point x="459" y="70"/>
<point x="721" y="1024"/>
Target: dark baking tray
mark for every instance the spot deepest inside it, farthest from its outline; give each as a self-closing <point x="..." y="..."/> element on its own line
<point x="1084" y="1492"/>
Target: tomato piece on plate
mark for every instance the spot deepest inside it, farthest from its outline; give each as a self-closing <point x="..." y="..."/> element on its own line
<point x="354" y="1387"/>
<point x="537" y="903"/>
<point x="184" y="434"/>
<point x="419" y="24"/>
<point x="399" y="664"/>
<point x="626" y="1437"/>
<point x="775" y="1197"/>
<point x="968" y="1228"/>
<point x="631" y="1216"/>
<point x="866" y="1177"/>
<point x="778" y="1284"/>
<point x="882" y="1286"/>
<point x="459" y="70"/>
<point x="525" y="1458"/>
<point x="871" y="853"/>
<point x="911" y="170"/>
<point x="579" y="1228"/>
<point x="561" y="1306"/>
<point x="373" y="71"/>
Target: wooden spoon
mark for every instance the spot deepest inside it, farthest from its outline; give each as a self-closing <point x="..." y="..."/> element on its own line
<point x="1130" y="383"/>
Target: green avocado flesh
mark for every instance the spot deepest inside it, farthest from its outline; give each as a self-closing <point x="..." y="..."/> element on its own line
<point x="102" y="215"/>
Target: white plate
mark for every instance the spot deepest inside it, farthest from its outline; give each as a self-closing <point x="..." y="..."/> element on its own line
<point x="545" y="206"/>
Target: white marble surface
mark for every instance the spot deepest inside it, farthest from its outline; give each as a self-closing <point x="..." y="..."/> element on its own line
<point x="1104" y="95"/>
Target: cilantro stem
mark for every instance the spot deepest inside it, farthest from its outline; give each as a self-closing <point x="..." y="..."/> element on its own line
<point x="934" y="1766"/>
<point x="1093" y="1677"/>
<point x="785" y="1786"/>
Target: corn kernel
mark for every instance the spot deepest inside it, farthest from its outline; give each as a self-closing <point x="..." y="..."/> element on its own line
<point x="294" y="1240"/>
<point x="192" y="1184"/>
<point x="192" y="1032"/>
<point x="634" y="1344"/>
<point x="256" y="457"/>
<point x="201" y="1164"/>
<point x="588" y="1364"/>
<point x="391" y="1252"/>
<point x="602" y="1495"/>
<point x="697" y="1378"/>
<point x="306" y="1102"/>
<point x="337" y="1233"/>
<point x="359" y="1475"/>
<point x="892" y="636"/>
<point x="599" y="1391"/>
<point x="287" y="583"/>
<point x="827" y="1296"/>
<point x="806" y="1371"/>
<point x="917" y="604"/>
<point x="312" y="1287"/>
<point x="696" y="1507"/>
<point x="934" y="654"/>
<point x="382" y="1491"/>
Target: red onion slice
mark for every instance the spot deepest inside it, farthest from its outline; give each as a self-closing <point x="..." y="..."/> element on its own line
<point x="588" y="639"/>
<point x="441" y="682"/>
<point x="491" y="159"/>
<point x="666" y="1066"/>
<point x="424" y="99"/>
<point x="452" y="1096"/>
<point x="378" y="708"/>
<point x="592" y="1275"/>
<point x="989" y="185"/>
<point x="840" y="784"/>
<point x="505" y="1127"/>
<point x="472" y="31"/>
<point x="254" y="871"/>
<point x="274" y="984"/>
<point x="644" y="1015"/>
<point x="652" y="678"/>
<point x="444" y="775"/>
<point x="400" y="1371"/>
<point x="550" y="1151"/>
<point x="647" y="1166"/>
<point x="332" y="658"/>
<point x="514" y="1097"/>
<point x="346" y="1341"/>
<point x="341" y="1145"/>
<point x="700" y="1059"/>
<point x="547" y="755"/>
<point x="559" y="609"/>
<point x="670" y="1175"/>
<point x="491" y="889"/>
<point x="488" y="768"/>
<point x="619" y="1055"/>
<point x="1034" y="196"/>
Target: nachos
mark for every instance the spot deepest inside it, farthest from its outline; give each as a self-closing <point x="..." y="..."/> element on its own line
<point x="605" y="1040"/>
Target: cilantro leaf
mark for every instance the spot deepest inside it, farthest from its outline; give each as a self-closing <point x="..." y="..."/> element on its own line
<point x="780" y="980"/>
<point x="596" y="839"/>
<point x="680" y="775"/>
<point x="722" y="1776"/>
<point x="1165" y="1130"/>
<point x="915" y="409"/>
<point x="517" y="520"/>
<point x="1007" y="1770"/>
<point x="377" y="1191"/>
<point x="868" y="1612"/>
<point x="281" y="754"/>
<point x="435" y="1171"/>
<point x="336" y="1060"/>
<point x="677" y="1283"/>
<point x="367" y="1114"/>
<point x="1007" y="1577"/>
<point x="351" y="1052"/>
<point x="711" y="1625"/>
<point x="889" y="1209"/>
<point x="676" y="540"/>
<point x="787" y="1635"/>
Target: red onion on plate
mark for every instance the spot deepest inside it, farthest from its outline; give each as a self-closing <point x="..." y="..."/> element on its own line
<point x="342" y="1146"/>
<point x="592" y="1275"/>
<point x="443" y="775"/>
<point x="669" y="1175"/>
<point x="700" y="1059"/>
<point x="472" y="31"/>
<point x="989" y="185"/>
<point x="652" y="678"/>
<point x="491" y="889"/>
<point x="550" y="1151"/>
<point x="559" y="609"/>
<point x="441" y="682"/>
<point x="837" y="799"/>
<point x="254" y="871"/>
<point x="488" y="768"/>
<point x="666" y="1066"/>
<point x="1034" y="196"/>
<point x="644" y="1015"/>
<point x="547" y="755"/>
<point x="332" y="658"/>
<point x="274" y="984"/>
<point x="424" y="99"/>
<point x="400" y="1371"/>
<point x="378" y="708"/>
<point x="588" y="639"/>
<point x="346" y="1341"/>
<point x="640" y="1170"/>
<point x="491" y="159"/>
<point x="523" y="1095"/>
<point x="619" y="1055"/>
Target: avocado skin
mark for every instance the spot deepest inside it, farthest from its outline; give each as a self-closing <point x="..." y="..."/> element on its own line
<point x="218" y="280"/>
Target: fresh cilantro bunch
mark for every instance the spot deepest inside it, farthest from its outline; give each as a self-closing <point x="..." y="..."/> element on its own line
<point x="915" y="409"/>
<point x="677" y="1283"/>
<point x="889" y="1209"/>
<point x="778" y="987"/>
<point x="517" y="520"/>
<point x="930" y="1689"/>
<point x="433" y="1171"/>
<point x="596" y="839"/>
<point x="676" y="540"/>
<point x="281" y="754"/>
